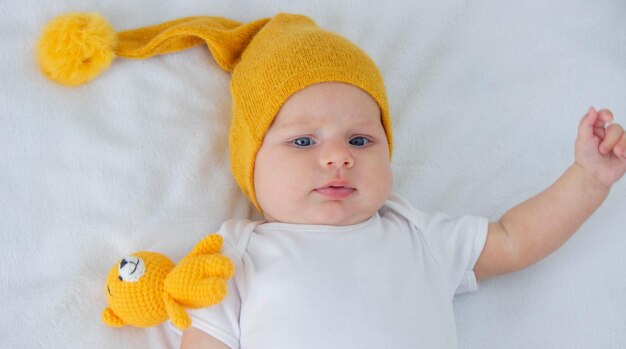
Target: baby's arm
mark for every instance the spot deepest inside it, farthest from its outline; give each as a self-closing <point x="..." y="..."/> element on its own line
<point x="538" y="226"/>
<point x="195" y="338"/>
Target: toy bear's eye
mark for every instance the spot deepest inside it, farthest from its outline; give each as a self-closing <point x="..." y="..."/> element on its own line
<point x="131" y="268"/>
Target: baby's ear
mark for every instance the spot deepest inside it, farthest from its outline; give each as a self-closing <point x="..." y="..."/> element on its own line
<point x="109" y="318"/>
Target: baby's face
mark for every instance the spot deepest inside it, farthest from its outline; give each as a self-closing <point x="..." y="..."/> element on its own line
<point x="325" y="159"/>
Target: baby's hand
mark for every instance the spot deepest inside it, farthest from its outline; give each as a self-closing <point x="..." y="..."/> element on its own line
<point x="601" y="149"/>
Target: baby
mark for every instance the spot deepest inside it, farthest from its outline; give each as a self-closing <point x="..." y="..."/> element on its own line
<point x="324" y="269"/>
<point x="341" y="262"/>
<point x="338" y="260"/>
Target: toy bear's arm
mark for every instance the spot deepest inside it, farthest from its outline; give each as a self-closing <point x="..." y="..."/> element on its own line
<point x="176" y="313"/>
<point x="211" y="244"/>
<point x="199" y="281"/>
<point x="109" y="318"/>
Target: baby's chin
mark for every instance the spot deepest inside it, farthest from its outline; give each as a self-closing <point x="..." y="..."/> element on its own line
<point x="323" y="217"/>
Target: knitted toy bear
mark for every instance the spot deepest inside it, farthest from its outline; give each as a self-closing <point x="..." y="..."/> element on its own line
<point x="146" y="288"/>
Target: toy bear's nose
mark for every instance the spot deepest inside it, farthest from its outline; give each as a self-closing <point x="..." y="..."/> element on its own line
<point x="131" y="268"/>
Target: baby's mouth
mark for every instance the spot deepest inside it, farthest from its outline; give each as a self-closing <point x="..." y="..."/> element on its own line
<point x="336" y="192"/>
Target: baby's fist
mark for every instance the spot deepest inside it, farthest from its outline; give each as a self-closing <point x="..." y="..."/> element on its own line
<point x="601" y="146"/>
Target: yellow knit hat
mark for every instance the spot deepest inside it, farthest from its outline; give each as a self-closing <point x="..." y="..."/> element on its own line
<point x="270" y="59"/>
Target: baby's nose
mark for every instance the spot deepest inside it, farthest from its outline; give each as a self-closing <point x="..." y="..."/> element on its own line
<point x="338" y="156"/>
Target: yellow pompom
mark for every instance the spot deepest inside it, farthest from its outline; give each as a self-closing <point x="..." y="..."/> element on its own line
<point x="76" y="47"/>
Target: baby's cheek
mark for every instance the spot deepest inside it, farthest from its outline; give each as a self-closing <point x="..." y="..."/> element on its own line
<point x="381" y="181"/>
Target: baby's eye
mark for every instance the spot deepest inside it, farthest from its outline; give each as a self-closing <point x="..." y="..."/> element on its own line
<point x="303" y="142"/>
<point x="359" y="141"/>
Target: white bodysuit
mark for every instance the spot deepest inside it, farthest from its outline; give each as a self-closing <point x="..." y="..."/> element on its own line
<point x="387" y="282"/>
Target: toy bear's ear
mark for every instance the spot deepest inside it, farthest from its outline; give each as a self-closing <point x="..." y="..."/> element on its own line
<point x="176" y="313"/>
<point x="109" y="318"/>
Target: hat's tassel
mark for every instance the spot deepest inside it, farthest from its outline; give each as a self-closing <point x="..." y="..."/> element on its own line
<point x="77" y="47"/>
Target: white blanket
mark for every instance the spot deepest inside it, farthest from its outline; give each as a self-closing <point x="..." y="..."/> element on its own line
<point x="485" y="97"/>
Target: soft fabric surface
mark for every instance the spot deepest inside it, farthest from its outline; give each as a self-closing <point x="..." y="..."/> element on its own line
<point x="485" y="97"/>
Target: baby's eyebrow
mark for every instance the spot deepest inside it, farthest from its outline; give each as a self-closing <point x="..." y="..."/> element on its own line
<point x="294" y="124"/>
<point x="309" y="123"/>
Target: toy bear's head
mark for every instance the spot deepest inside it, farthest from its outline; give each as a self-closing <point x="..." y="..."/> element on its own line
<point x="135" y="290"/>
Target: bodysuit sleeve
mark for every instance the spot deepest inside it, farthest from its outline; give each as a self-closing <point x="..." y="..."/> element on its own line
<point x="222" y="320"/>
<point x="455" y="244"/>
